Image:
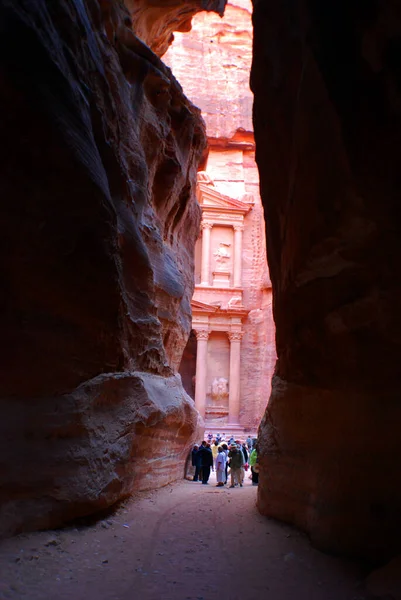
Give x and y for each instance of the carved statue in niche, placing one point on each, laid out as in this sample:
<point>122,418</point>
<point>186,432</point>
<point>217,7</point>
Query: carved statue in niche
<point>235,301</point>
<point>219,389</point>
<point>222,255</point>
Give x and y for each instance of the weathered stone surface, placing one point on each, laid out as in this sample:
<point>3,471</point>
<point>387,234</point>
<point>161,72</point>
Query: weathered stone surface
<point>212,63</point>
<point>154,21</point>
<point>77,453</point>
<point>327,127</point>
<point>99,220</point>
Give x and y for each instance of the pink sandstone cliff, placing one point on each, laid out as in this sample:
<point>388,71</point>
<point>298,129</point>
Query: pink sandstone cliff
<point>212,62</point>
<point>99,221</point>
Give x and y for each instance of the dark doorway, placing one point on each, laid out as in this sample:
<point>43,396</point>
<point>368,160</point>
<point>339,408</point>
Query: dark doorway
<point>187,368</point>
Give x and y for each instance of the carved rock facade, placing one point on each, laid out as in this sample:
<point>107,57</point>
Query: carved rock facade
<point>327,117</point>
<point>99,221</point>
<point>233,291</point>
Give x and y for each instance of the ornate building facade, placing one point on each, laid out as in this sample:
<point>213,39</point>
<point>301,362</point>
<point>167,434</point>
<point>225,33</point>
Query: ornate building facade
<point>229,360</point>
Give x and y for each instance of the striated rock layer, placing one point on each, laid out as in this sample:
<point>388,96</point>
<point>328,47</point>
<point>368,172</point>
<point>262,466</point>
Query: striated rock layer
<point>99,221</point>
<point>327,117</point>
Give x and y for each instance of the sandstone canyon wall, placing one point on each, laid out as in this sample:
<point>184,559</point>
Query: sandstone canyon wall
<point>326,79</point>
<point>212,62</point>
<point>99,220</point>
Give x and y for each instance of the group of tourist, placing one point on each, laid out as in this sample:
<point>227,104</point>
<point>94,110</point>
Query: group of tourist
<point>227,458</point>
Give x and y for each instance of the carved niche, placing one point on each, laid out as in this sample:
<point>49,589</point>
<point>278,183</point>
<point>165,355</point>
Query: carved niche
<point>217,409</point>
<point>222,256</point>
<point>219,389</point>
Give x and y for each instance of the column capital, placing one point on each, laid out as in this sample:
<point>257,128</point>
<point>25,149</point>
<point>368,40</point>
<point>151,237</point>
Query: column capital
<point>235,336</point>
<point>206,225</point>
<point>239,227</point>
<point>202,334</point>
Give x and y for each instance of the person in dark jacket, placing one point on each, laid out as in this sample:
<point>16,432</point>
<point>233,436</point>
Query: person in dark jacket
<point>236,463</point>
<point>206,461</point>
<point>196,462</point>
<point>245,452</point>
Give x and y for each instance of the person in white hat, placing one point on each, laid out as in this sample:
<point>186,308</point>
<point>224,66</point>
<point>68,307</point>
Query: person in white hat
<point>221,467</point>
<point>236,463</point>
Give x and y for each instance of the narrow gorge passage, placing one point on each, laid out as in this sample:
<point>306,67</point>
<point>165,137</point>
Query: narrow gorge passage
<point>129,221</point>
<point>183,542</point>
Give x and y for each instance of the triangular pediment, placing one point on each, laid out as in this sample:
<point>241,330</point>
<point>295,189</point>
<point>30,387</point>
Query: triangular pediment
<point>210,198</point>
<point>203,307</point>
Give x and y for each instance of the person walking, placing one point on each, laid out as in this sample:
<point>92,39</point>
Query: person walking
<point>196,462</point>
<point>236,463</point>
<point>215,447</point>
<point>245,452</point>
<point>245,468</point>
<point>253,461</point>
<point>206,461</point>
<point>225,450</point>
<point>220,463</point>
<point>242,447</point>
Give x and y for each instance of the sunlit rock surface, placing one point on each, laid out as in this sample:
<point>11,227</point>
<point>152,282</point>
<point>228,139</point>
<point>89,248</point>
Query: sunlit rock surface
<point>327,86</point>
<point>99,220</point>
<point>212,62</point>
<point>154,21</point>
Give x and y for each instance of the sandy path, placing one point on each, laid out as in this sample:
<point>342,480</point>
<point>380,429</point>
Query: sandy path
<point>184,542</point>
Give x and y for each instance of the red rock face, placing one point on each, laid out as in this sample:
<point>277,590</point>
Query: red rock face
<point>327,125</point>
<point>99,222</point>
<point>212,62</point>
<point>155,21</point>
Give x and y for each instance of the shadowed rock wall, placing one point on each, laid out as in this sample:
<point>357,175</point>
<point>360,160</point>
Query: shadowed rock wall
<point>98,225</point>
<point>327,84</point>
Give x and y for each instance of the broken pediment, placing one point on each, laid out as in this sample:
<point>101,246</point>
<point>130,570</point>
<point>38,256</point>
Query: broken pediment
<point>229,308</point>
<point>212,200</point>
<point>204,307</point>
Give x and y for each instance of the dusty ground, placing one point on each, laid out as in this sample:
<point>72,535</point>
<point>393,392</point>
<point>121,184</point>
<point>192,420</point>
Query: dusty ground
<point>184,542</point>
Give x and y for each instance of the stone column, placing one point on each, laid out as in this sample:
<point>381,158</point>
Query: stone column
<point>205,269</point>
<point>234,390</point>
<point>201,367</point>
<point>238,229</point>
